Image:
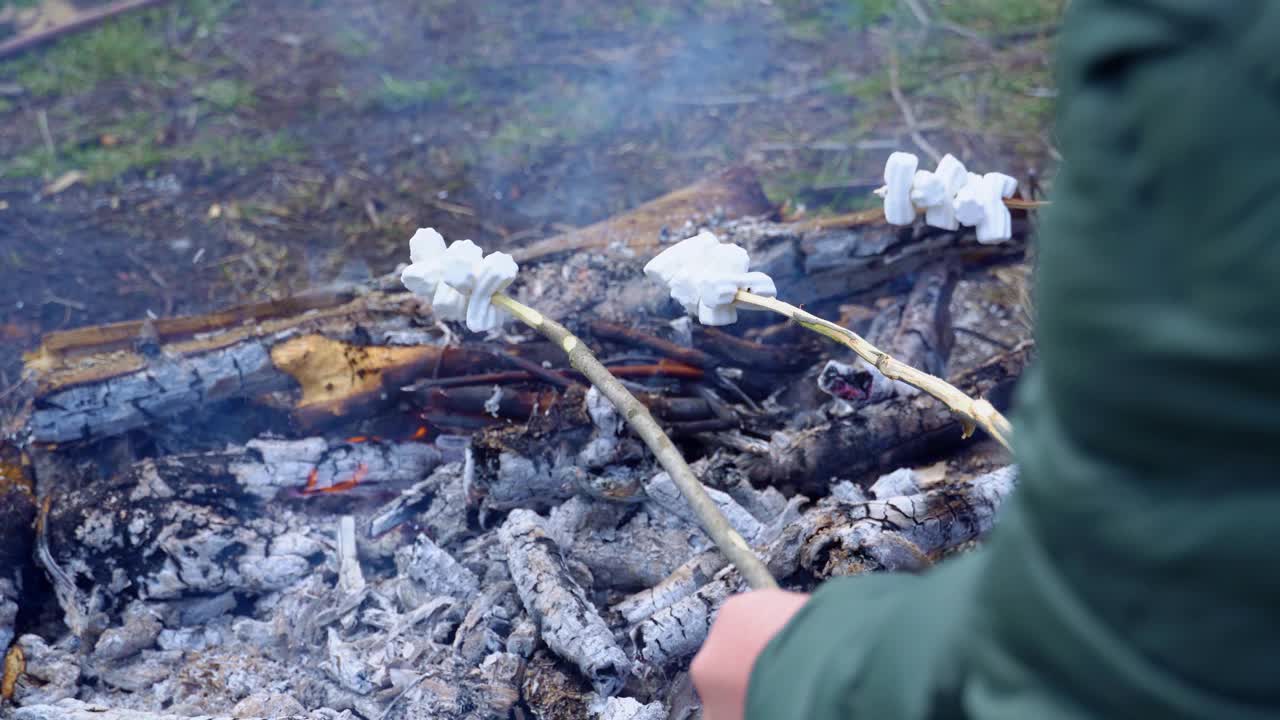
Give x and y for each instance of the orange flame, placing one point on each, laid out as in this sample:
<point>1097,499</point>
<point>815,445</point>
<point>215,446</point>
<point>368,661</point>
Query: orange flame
<point>362,470</point>
<point>420,433</point>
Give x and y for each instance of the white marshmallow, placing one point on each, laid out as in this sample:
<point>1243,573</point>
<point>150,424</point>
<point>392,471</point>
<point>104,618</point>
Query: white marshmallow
<point>953,176</point>
<point>899,172</point>
<point>928,190</point>
<point>459,279</point>
<point>426,248</point>
<point>968,203</point>
<point>704,275</point>
<point>494,274</point>
<point>997,224</point>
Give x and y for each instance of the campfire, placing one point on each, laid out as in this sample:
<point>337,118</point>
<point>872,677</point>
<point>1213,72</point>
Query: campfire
<point>339,505</point>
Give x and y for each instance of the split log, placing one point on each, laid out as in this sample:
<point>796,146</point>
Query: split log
<point>838,538</point>
<point>101,381</point>
<point>567,621</point>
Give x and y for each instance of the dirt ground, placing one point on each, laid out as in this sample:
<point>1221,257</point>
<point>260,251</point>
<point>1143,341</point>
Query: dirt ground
<point>210,152</point>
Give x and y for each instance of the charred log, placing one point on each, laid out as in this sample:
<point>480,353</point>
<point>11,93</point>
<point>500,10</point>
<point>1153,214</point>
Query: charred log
<point>834,538</point>
<point>567,621</point>
<point>881,435</point>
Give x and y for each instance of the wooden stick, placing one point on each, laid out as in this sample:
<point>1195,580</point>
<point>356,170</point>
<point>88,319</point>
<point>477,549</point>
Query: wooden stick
<point>713,522</point>
<point>977,412</point>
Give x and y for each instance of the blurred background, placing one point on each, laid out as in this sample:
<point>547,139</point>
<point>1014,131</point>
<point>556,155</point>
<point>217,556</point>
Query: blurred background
<point>189,154</point>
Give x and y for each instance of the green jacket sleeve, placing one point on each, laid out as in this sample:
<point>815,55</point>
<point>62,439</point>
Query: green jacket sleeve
<point>1134,572</point>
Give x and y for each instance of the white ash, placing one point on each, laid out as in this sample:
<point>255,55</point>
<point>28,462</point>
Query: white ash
<point>9,589</point>
<point>619,708</point>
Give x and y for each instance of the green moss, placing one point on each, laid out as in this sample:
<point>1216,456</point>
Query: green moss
<point>226,94</point>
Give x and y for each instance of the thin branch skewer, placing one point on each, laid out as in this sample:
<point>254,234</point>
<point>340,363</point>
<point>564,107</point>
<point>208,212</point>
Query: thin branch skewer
<point>977,412</point>
<point>637,416</point>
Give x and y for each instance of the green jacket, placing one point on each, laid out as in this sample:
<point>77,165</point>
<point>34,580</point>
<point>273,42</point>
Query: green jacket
<point>1135,571</point>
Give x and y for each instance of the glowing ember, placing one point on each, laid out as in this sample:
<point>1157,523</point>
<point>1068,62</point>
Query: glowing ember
<point>362,470</point>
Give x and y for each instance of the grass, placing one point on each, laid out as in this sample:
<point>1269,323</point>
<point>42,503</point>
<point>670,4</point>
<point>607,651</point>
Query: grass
<point>131,144</point>
<point>131,47</point>
<point>134,50</point>
<point>225,94</point>
<point>818,19</point>
<point>398,94</point>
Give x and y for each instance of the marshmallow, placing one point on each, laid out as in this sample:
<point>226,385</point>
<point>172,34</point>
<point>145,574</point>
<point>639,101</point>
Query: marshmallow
<point>997,224</point>
<point>494,274</point>
<point>704,275</point>
<point>459,279</point>
<point>968,203</point>
<point>670,261</point>
<point>426,247</point>
<point>899,172</point>
<point>953,176</point>
<point>459,265</point>
<point>928,190</point>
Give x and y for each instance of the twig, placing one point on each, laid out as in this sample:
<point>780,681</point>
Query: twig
<point>928,22</point>
<point>663,368</point>
<point>974,412</point>
<point>533,368</point>
<point>908,115</point>
<point>637,416</point>
<point>687,355</point>
<point>42,120</point>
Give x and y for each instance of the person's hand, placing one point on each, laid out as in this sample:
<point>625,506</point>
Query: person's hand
<point>744,626</point>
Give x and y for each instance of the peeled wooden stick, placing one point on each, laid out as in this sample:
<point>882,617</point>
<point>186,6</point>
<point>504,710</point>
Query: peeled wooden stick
<point>637,416</point>
<point>977,412</point>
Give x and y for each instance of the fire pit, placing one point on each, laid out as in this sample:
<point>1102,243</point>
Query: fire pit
<point>336,506</point>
